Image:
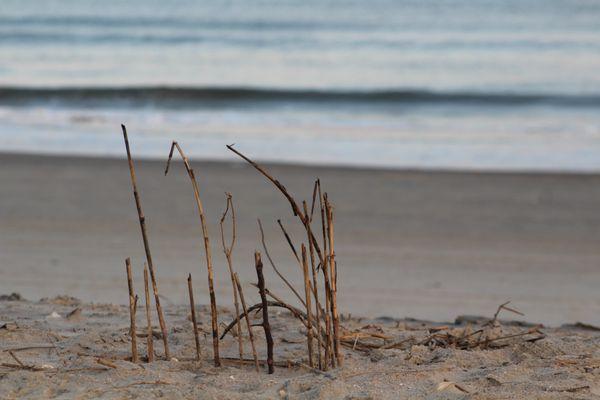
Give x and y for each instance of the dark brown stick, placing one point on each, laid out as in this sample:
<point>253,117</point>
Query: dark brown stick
<point>132,309</point>
<point>193,310</point>
<point>265,310</point>
<point>211,288</point>
<point>308,306</point>
<point>159,311</point>
<point>149,338</point>
<point>288,284</point>
<point>333,271</point>
<point>296,210</point>
<point>228,250</point>
<point>289,240</point>
<point>248,324</point>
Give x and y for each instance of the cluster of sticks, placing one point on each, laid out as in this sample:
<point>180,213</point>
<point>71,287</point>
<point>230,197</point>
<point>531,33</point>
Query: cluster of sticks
<point>320,322</point>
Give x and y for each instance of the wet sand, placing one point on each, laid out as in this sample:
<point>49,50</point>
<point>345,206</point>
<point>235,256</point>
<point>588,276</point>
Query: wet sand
<point>429,245</point>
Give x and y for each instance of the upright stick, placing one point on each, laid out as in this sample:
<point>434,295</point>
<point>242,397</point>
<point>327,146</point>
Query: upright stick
<point>315,282</point>
<point>329,356</point>
<point>132,310</point>
<point>149,338</point>
<point>228,251</point>
<point>333,271</point>
<point>159,311</point>
<point>194,323</point>
<point>248,324</point>
<point>209,267</point>
<point>265,310</point>
<point>308,306</point>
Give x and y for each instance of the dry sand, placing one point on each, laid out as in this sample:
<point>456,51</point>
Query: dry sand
<point>428,245</point>
<point>72,350</point>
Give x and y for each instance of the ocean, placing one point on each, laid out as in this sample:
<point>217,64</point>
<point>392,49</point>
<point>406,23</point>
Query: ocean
<point>464,84</point>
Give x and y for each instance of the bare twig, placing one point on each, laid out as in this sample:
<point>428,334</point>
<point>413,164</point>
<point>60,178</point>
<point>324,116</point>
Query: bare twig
<point>149,338</point>
<point>265,310</point>
<point>333,271</point>
<point>308,306</point>
<point>142,218</point>
<point>211,289</point>
<point>132,310</point>
<point>288,284</point>
<point>289,240</point>
<point>250,334</point>
<point>193,311</point>
<point>228,250</point>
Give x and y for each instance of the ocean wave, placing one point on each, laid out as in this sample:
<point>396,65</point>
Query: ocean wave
<point>232,96</point>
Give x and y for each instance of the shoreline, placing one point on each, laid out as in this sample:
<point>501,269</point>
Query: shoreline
<point>406,239</point>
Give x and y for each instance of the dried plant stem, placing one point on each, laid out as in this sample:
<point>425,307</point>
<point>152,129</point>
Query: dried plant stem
<point>159,311</point>
<point>265,310</point>
<point>288,284</point>
<point>132,310</point>
<point>149,338</point>
<point>295,208</point>
<point>308,306</point>
<point>228,251</point>
<point>315,282</point>
<point>211,289</point>
<point>193,311</point>
<point>333,272</point>
<point>248,324</point>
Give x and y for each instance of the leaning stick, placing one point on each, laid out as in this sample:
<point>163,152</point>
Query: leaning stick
<point>333,271</point>
<point>132,309</point>
<point>149,338</point>
<point>307,294</point>
<point>289,240</point>
<point>159,311</point>
<point>265,310</point>
<point>288,284</point>
<point>211,288</point>
<point>248,324</point>
<point>295,208</point>
<point>193,310</point>
<point>228,250</point>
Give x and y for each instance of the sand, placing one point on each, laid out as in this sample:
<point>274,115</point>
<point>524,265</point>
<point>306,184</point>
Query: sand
<point>428,245</point>
<point>70,349</point>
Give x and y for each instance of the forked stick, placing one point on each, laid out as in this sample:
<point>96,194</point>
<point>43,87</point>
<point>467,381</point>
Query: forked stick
<point>193,310</point>
<point>265,310</point>
<point>228,250</point>
<point>138,204</point>
<point>132,310</point>
<point>149,338</point>
<point>248,324</point>
<point>211,288</point>
<point>295,208</point>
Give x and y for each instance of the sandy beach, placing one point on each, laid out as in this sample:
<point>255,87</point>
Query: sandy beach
<point>405,240</point>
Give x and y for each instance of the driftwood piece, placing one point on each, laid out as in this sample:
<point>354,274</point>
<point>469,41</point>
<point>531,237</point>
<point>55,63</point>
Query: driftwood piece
<point>265,310</point>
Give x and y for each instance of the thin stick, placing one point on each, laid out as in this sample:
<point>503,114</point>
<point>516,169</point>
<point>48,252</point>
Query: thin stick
<point>159,311</point>
<point>265,310</point>
<point>308,306</point>
<point>248,324</point>
<point>288,284</point>
<point>228,251</point>
<point>315,282</point>
<point>296,210</point>
<point>289,240</point>
<point>132,309</point>
<point>211,288</point>
<point>333,271</point>
<point>149,338</point>
<point>193,310</point>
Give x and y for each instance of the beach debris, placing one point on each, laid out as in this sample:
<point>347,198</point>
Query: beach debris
<point>11,297</point>
<point>247,317</point>
<point>451,386</point>
<point>53,315</point>
<point>209,266</point>
<point>228,250</point>
<point>132,311</point>
<point>265,310</point>
<point>74,315</point>
<point>193,312</point>
<point>149,338</point>
<point>142,219</point>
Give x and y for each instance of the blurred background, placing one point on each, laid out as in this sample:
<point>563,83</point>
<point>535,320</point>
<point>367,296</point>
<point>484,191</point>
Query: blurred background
<point>506,94</point>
